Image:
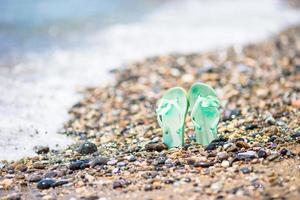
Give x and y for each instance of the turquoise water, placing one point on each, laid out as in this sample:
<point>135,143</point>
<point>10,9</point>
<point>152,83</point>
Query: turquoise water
<point>32,25</point>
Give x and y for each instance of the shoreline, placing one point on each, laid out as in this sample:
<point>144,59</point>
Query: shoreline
<point>257,85</point>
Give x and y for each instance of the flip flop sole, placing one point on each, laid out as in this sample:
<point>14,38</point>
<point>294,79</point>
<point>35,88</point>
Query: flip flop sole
<point>171,116</point>
<point>205,118</point>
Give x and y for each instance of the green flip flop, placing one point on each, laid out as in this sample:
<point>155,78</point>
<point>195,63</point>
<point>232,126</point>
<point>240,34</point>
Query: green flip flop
<point>171,113</point>
<point>205,114</point>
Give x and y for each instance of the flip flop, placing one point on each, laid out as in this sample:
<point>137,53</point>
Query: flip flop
<point>171,113</point>
<point>205,114</point>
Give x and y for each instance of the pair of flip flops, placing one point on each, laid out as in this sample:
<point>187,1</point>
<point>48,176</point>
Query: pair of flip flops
<point>173,107</point>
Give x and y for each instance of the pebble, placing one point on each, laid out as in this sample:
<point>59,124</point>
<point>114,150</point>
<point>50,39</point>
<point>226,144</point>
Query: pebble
<point>79,164</point>
<point>245,170</point>
<point>45,184</point>
<point>242,144</point>
<point>121,164</point>
<point>50,174</point>
<point>270,120</point>
<point>112,162</point>
<point>262,153</point>
<point>203,164</point>
<point>211,146</point>
<point>131,158</point>
<point>284,151</point>
<point>222,155</point>
<point>155,147</point>
<point>99,161</point>
<point>251,126</point>
<point>41,149</point>
<point>225,163</point>
<point>34,178</point>
<point>246,155</point>
<point>296,135</point>
<point>87,148</point>
<point>148,187</point>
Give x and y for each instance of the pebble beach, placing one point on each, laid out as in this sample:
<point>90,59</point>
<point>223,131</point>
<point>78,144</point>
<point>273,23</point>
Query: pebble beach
<point>119,152</point>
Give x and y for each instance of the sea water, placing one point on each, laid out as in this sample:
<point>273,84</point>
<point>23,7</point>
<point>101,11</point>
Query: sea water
<point>50,48</point>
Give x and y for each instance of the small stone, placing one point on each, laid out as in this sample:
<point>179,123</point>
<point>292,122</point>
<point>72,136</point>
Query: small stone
<point>245,170</point>
<point>112,162</point>
<point>38,165</point>
<point>148,187</point>
<point>211,146</point>
<point>225,163</point>
<point>242,144</point>
<point>50,174</point>
<point>222,155</point>
<point>217,186</point>
<point>169,181</point>
<point>45,184</point>
<point>79,164</point>
<point>284,151</point>
<point>231,114</point>
<point>131,158</point>
<point>34,178</point>
<point>99,161</point>
<point>187,179</point>
<point>41,149</point>
<point>270,120</point>
<point>248,155</point>
<point>87,148</point>
<point>231,148</point>
<point>262,153</point>
<point>155,147</point>
<point>121,164</point>
<point>203,164</point>
<point>251,126</point>
<point>296,135</point>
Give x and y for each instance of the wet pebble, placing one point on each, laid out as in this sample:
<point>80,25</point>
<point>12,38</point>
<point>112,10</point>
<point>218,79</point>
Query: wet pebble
<point>45,184</point>
<point>41,149</point>
<point>262,153</point>
<point>87,148</point>
<point>251,126</point>
<point>79,164</point>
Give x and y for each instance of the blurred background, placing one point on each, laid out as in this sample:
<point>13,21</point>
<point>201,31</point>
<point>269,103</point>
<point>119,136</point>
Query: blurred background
<point>49,48</point>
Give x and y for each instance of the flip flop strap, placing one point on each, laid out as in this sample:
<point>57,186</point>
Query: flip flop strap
<point>204,102</point>
<point>164,106</point>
